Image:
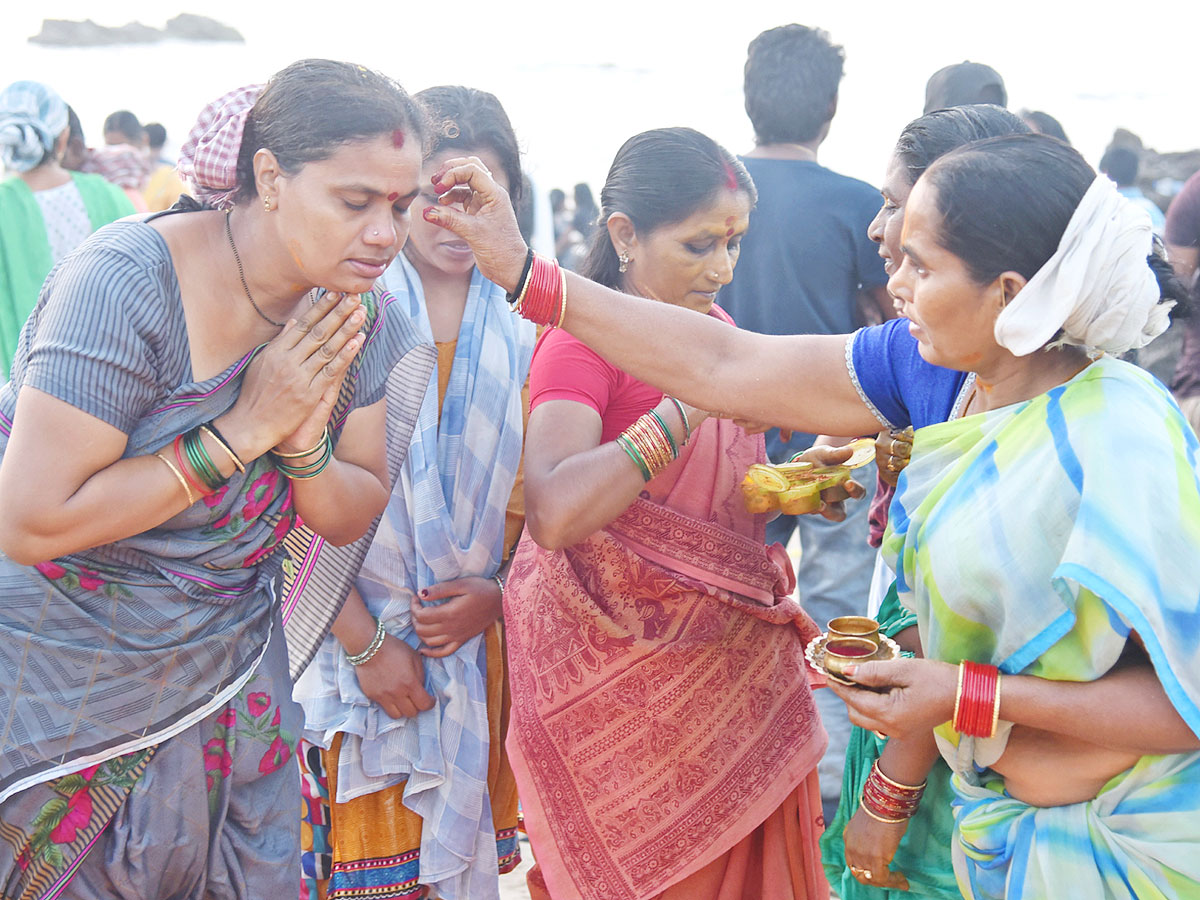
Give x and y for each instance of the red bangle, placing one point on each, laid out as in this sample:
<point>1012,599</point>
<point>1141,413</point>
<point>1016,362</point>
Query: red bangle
<point>542,300</point>
<point>978,703</point>
<point>887,800</point>
<point>177,446</point>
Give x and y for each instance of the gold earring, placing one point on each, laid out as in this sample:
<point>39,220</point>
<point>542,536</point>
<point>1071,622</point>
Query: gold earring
<point>267,204</point>
<point>623,256</point>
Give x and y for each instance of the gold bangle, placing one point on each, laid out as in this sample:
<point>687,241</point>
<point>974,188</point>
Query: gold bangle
<point>187,488</point>
<point>233,457</point>
<point>319,445</point>
<point>897,784</point>
<point>650,441</point>
<point>524,287</point>
<point>996,707</point>
<point>562,309</point>
<point>879,818</point>
<point>957,691</point>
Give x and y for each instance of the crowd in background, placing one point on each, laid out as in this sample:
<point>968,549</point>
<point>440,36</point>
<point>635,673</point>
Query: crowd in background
<point>546,586</point>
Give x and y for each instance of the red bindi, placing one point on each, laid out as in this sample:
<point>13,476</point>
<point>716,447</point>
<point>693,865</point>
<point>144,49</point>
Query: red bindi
<point>397,138</point>
<point>392,196</point>
<point>729,233</point>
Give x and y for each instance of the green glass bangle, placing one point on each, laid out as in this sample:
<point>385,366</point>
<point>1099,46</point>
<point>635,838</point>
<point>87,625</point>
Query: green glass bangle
<point>306,467</point>
<point>297,475</point>
<point>687,426</point>
<point>308,470</point>
<point>209,465</point>
<point>667,432</point>
<point>200,461</point>
<point>630,448</point>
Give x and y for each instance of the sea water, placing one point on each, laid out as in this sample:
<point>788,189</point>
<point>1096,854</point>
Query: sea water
<point>579,78</point>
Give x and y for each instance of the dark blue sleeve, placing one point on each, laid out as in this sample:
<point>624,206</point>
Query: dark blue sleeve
<point>895,382</point>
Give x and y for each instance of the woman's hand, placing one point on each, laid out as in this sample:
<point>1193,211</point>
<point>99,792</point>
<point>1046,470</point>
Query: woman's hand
<point>870,847</point>
<point>826,455</point>
<point>485,219</point>
<point>893,450</point>
<point>394,678</point>
<point>916,696</point>
<point>474,603</point>
<point>289,390</point>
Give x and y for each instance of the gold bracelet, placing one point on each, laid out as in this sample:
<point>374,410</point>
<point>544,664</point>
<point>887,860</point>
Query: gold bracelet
<point>957,697</point>
<point>319,445</point>
<point>897,784</point>
<point>233,457</point>
<point>996,707</point>
<point>879,818</point>
<point>187,488</point>
<point>524,287</point>
<point>562,309</point>
<point>653,448</point>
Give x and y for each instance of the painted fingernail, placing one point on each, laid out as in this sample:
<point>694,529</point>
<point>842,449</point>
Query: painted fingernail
<point>430,214</point>
<point>424,592</point>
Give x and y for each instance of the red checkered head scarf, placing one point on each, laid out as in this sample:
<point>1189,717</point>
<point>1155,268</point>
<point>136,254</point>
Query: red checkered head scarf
<point>208,160</point>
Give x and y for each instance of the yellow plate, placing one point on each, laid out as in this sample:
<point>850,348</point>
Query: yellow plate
<point>864,452</point>
<point>767,478</point>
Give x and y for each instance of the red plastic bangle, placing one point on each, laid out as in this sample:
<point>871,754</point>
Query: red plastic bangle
<point>542,301</point>
<point>888,800</point>
<point>978,700</point>
<point>177,446</point>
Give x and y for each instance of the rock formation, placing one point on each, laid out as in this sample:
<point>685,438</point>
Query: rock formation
<point>184,27</point>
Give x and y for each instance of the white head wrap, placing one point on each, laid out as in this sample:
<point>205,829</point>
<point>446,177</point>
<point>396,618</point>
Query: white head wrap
<point>32,116</point>
<point>1097,287</point>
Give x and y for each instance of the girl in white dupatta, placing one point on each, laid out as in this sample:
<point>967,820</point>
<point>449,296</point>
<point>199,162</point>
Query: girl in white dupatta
<point>407,701</point>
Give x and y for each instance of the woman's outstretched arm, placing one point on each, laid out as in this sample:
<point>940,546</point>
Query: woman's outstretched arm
<point>797,381</point>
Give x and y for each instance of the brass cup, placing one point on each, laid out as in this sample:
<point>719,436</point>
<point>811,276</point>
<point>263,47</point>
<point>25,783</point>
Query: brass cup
<point>846,651</point>
<point>854,627</point>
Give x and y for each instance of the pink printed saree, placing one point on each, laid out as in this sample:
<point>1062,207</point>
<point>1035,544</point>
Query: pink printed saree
<point>662,711</point>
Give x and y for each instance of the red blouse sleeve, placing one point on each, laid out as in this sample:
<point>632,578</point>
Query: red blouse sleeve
<point>564,368</point>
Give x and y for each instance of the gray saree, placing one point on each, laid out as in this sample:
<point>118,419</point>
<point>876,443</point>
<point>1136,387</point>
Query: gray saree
<point>112,655</point>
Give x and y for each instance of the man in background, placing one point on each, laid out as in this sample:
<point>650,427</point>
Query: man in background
<point>1121,165</point>
<point>964,84</point>
<point>807,267</point>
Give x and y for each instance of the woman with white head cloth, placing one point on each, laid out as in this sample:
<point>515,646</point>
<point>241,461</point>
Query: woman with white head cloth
<point>1049,533</point>
<point>45,210</point>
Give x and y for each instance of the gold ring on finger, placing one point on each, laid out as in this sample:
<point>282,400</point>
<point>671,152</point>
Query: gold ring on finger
<point>867,874</point>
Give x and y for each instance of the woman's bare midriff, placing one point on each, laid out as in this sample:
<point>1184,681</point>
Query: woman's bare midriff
<point>1046,769</point>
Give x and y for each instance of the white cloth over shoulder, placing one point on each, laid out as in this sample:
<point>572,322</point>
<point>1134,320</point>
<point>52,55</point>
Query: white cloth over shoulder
<point>1097,287</point>
<point>445,520</point>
